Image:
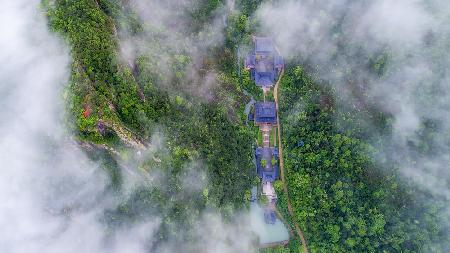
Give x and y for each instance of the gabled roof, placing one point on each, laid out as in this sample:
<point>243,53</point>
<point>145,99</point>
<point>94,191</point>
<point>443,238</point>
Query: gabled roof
<point>265,109</point>
<point>263,44</point>
<point>268,173</point>
<point>265,112</point>
<point>264,62</point>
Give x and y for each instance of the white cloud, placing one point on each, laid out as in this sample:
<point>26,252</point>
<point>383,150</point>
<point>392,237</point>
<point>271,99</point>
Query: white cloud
<point>337,38</point>
<point>52,196</point>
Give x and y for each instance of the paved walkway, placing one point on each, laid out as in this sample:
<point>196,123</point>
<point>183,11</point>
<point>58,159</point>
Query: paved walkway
<point>266,138</point>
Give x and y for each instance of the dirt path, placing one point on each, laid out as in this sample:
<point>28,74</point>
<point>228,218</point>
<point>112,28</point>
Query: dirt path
<point>282,175</point>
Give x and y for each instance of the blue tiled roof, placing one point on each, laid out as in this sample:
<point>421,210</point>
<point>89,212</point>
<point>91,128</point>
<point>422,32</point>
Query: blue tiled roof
<point>263,44</point>
<point>265,112</point>
<point>264,79</point>
<point>251,117</point>
<point>270,172</point>
<point>264,62</point>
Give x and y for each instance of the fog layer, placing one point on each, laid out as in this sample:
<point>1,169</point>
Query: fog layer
<point>52,196</point>
<point>389,55</point>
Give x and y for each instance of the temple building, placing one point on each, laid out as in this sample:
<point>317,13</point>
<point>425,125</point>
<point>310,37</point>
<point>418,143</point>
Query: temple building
<point>265,113</point>
<point>264,62</point>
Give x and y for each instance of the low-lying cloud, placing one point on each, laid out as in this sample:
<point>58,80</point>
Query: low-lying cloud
<point>52,196</point>
<point>339,39</point>
<point>179,46</point>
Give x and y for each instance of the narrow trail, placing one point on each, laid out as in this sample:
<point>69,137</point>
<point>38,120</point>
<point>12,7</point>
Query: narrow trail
<point>282,174</point>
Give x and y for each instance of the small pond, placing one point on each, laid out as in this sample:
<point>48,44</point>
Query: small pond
<point>267,233</point>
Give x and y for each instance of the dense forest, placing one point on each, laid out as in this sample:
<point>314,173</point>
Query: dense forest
<point>116,106</point>
<point>343,200</point>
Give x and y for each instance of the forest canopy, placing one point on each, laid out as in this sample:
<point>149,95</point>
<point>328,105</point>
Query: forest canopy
<point>136,77</point>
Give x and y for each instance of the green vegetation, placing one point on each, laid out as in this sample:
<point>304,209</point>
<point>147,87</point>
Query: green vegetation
<point>263,200</point>
<point>273,137</point>
<point>135,103</point>
<point>342,200</point>
<point>274,161</point>
<point>260,138</point>
<point>279,249</point>
<point>263,163</point>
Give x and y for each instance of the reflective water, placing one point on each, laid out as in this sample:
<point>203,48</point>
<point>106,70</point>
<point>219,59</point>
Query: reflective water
<point>267,233</point>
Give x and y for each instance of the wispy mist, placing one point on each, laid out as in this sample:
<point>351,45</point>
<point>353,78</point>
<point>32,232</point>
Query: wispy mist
<point>53,198</point>
<point>390,55</point>
<point>178,45</point>
<point>52,195</point>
